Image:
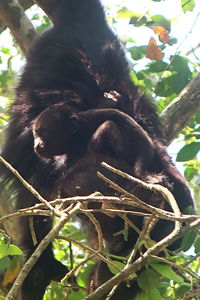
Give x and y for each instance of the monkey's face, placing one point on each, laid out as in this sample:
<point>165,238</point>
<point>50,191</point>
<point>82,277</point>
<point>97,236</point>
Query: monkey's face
<point>51,135</point>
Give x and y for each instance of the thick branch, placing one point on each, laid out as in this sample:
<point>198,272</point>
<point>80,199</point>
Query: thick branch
<point>176,115</point>
<point>12,14</point>
<point>25,4</point>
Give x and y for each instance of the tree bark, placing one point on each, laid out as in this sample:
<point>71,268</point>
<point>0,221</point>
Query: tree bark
<point>12,14</point>
<point>25,4</point>
<point>179,112</point>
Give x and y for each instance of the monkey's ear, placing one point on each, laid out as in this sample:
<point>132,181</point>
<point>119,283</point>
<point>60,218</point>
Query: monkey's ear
<point>73,124</point>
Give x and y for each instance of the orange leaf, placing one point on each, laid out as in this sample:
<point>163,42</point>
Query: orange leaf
<point>162,33</point>
<point>153,52</point>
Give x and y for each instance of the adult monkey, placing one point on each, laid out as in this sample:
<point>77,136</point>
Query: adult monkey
<point>79,62</point>
<point>94,136</point>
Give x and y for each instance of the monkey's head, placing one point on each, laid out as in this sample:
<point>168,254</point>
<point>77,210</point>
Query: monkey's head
<point>54,130</point>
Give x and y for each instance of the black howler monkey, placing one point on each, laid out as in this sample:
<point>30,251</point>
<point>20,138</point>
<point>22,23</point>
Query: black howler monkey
<point>78,62</point>
<point>59,130</point>
<point>88,138</point>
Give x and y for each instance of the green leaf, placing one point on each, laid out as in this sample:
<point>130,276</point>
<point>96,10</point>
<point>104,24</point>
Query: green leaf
<point>5,50</point>
<point>188,240</point>
<point>36,17</point>
<point>150,295</point>
<point>187,5</point>
<point>75,295</point>
<point>172,41</point>
<point>166,271</point>
<point>158,66</point>
<point>181,290</point>
<point>189,210</point>
<point>172,85</point>
<point>121,266</point>
<point>154,295</point>
<point>137,52</point>
<point>6,250</point>
<point>188,151</point>
<point>4,263</point>
<point>197,245</point>
<point>138,20</point>
<point>125,13</point>
<point>148,279</point>
<point>180,64</point>
<point>161,21</point>
<point>117,264</point>
<point>110,255</point>
<point>190,172</point>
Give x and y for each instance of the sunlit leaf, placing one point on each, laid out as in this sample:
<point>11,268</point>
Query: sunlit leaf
<point>6,250</point>
<point>161,21</point>
<point>187,5</point>
<point>5,50</point>
<point>125,13</point>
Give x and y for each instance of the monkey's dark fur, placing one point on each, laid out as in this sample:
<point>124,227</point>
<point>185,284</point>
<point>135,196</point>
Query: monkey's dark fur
<point>59,130</point>
<point>78,62</point>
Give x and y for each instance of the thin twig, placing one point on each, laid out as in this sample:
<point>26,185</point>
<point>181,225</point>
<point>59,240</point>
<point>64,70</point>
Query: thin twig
<point>98,255</point>
<point>98,230</point>
<point>30,188</point>
<point>142,261</point>
<point>36,254</point>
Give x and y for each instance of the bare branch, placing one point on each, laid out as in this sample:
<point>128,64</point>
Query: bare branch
<point>25,4</point>
<point>176,115</point>
<point>12,14</point>
<point>28,186</point>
